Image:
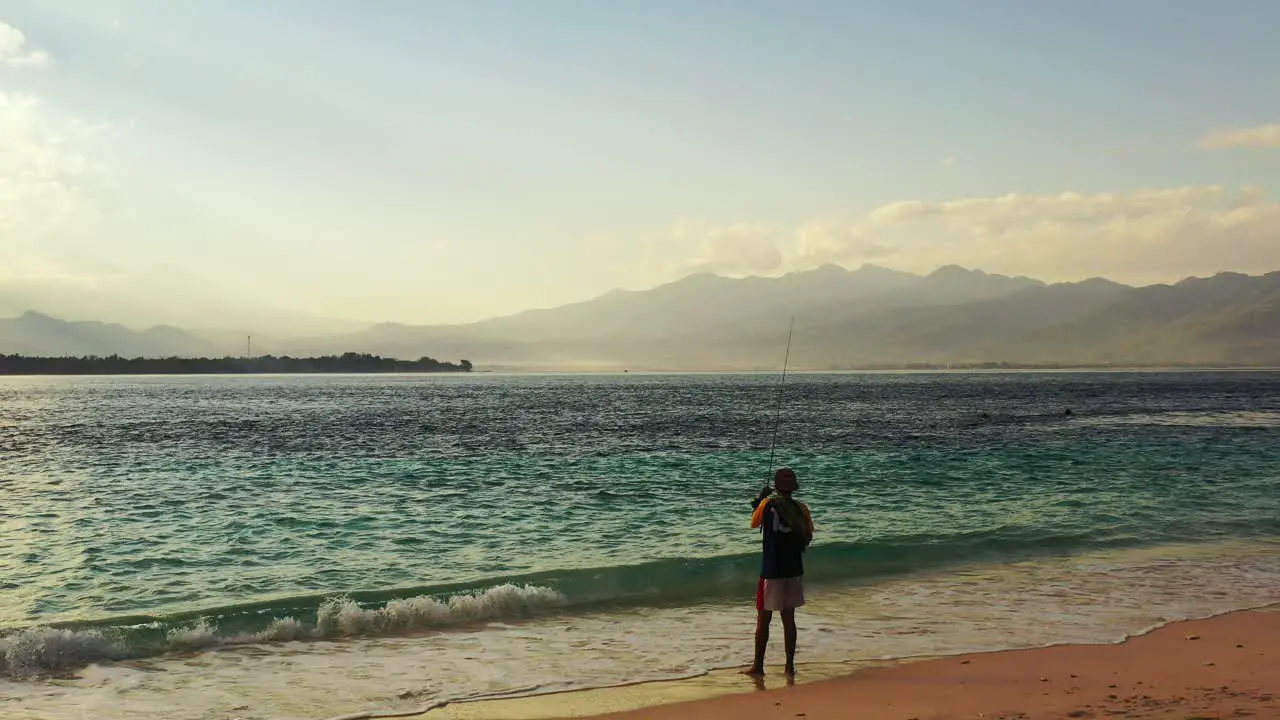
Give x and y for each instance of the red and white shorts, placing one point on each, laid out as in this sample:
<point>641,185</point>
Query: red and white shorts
<point>780,593</point>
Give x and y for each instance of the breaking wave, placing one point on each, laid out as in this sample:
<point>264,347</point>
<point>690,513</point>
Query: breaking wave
<point>43,650</point>
<point>667,582</point>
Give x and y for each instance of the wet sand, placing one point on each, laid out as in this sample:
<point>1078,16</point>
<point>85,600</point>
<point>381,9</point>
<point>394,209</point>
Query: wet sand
<point>1223,667</point>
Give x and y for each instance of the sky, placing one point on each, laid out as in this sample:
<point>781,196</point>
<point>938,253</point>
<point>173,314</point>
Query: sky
<point>435,162</point>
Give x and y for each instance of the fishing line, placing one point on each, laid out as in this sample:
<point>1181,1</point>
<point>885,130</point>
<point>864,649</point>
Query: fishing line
<point>777,413</point>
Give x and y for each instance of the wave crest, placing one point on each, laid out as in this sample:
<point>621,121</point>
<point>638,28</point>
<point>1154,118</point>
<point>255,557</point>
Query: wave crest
<point>40,651</point>
<point>343,617</point>
<point>43,650</point>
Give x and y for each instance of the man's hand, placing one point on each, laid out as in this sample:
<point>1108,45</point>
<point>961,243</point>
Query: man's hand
<point>765,492</point>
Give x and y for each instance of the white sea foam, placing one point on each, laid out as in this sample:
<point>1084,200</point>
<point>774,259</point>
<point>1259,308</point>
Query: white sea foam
<point>1102,596</point>
<point>342,617</point>
<point>40,650</point>
<point>199,636</point>
<point>279,630</point>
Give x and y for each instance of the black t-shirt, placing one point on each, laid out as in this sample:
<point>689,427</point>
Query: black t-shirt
<point>783,546</point>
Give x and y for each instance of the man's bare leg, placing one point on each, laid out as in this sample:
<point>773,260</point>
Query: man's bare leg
<point>789,638</point>
<point>763,619</point>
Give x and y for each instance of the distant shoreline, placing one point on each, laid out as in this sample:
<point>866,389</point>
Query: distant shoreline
<point>888,369</point>
<point>6,373</point>
<point>347,363</point>
<point>352,364</point>
<point>512,371</point>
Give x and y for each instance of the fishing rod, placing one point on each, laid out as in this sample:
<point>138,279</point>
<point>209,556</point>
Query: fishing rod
<point>777,412</point>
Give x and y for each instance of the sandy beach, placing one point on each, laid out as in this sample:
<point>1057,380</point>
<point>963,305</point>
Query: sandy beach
<point>1223,667</point>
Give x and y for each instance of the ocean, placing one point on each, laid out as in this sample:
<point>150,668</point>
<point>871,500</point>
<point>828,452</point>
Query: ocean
<point>300,547</point>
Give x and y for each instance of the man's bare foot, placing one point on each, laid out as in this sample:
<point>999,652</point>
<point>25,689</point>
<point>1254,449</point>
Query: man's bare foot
<point>754,670</point>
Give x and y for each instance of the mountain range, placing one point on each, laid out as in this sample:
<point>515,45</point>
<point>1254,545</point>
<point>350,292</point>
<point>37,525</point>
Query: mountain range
<point>34,333</point>
<point>872,316</point>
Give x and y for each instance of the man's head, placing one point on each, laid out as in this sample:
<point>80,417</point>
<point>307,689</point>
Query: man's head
<point>784,481</point>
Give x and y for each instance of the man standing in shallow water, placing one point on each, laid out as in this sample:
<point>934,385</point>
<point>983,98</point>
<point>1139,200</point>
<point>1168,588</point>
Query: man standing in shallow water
<point>788,530</point>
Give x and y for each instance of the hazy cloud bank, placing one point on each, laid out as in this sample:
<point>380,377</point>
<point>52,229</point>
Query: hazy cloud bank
<point>1143,235</point>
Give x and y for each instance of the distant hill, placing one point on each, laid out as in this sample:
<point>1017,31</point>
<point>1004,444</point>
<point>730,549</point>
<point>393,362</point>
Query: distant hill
<point>165,296</point>
<point>34,333</point>
<point>696,303</point>
<point>870,316</point>
<point>624,327</point>
<point>1228,318</point>
<point>999,328</point>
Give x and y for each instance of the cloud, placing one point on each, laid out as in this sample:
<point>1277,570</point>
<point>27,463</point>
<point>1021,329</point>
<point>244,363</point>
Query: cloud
<point>1260,136</point>
<point>901,211</point>
<point>745,249</point>
<point>47,187</point>
<point>48,190</point>
<point>1143,236</point>
<point>949,160</point>
<point>736,250</point>
<point>834,240</point>
<point>1146,235</point>
<point>999,215</point>
<point>14,51</point>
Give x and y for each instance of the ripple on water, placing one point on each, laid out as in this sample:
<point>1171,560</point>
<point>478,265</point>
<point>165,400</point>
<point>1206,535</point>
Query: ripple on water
<point>286,486</point>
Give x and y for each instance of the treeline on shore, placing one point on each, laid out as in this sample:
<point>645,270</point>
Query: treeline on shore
<point>116,365</point>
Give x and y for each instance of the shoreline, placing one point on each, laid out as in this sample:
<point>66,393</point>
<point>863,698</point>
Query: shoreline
<point>1144,669</point>
<point>510,371</point>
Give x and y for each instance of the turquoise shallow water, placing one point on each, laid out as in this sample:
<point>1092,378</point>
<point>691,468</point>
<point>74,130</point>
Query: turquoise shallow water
<point>143,516</point>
